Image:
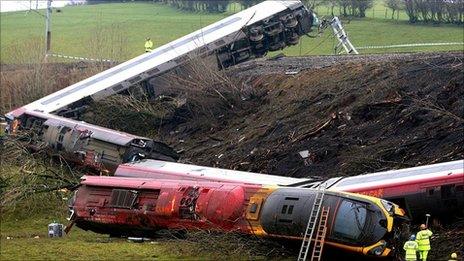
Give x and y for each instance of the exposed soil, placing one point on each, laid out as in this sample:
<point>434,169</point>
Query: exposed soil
<point>353,115</point>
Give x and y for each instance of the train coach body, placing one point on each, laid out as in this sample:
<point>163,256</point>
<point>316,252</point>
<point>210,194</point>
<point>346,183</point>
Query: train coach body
<point>139,207</point>
<point>434,189</point>
<point>157,169</point>
<point>94,147</point>
<point>268,26</point>
<point>441,185</point>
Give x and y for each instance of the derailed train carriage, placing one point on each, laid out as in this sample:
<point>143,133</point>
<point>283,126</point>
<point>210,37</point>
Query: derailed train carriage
<point>442,184</point>
<point>95,148</point>
<point>251,33</point>
<point>140,207</point>
<point>267,26</point>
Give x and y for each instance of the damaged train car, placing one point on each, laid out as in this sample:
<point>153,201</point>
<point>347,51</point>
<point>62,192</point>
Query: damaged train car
<point>95,148</point>
<point>140,207</point>
<point>268,26</point>
<point>442,183</point>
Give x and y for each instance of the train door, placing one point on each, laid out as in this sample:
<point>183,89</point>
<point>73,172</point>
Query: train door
<point>288,220</point>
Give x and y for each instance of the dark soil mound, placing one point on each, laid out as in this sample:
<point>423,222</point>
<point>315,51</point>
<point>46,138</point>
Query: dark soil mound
<point>359,116</point>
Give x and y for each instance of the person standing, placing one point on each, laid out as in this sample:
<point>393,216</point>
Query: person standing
<point>148,45</point>
<point>423,240</point>
<point>411,247</point>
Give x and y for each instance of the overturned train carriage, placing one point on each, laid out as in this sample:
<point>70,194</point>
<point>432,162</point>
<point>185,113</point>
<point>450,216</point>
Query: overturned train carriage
<point>442,184</point>
<point>268,26</point>
<point>139,207</point>
<point>96,148</point>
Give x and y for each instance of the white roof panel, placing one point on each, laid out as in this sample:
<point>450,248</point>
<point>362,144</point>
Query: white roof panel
<point>169,170</point>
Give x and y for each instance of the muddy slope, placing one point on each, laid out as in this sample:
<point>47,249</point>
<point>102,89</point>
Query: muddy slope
<point>354,116</point>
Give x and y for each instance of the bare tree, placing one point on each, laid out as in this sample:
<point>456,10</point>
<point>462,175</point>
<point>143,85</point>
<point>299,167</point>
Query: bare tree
<point>394,5</point>
<point>331,4</point>
<point>435,11</point>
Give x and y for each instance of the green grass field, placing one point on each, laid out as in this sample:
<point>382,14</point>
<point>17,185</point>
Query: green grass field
<point>24,236</point>
<point>81,245</point>
<point>117,31</point>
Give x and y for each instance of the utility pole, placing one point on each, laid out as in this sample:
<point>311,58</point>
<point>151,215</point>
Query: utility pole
<point>48,30</point>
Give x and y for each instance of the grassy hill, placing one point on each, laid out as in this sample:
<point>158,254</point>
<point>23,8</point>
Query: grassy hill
<point>117,31</point>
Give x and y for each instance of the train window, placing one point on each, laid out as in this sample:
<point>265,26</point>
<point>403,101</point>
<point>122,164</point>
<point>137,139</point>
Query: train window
<point>253,208</point>
<point>430,191</point>
<point>290,210</point>
<point>290,198</point>
<point>459,188</point>
<point>123,198</point>
<point>350,220</point>
<point>284,209</point>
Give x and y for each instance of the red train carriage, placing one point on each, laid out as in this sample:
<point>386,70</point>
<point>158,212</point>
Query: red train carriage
<point>437,189</point>
<point>139,207</point>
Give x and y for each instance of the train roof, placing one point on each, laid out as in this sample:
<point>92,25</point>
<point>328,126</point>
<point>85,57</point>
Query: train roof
<point>450,169</point>
<point>171,170</point>
<point>143,183</point>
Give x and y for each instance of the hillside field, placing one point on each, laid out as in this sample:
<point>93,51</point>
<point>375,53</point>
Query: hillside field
<point>117,31</point>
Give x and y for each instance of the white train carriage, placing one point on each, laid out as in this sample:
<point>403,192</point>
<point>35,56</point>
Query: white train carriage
<point>268,26</point>
<point>177,171</point>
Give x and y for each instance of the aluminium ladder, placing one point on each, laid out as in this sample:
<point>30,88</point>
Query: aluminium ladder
<point>320,235</point>
<point>342,37</point>
<point>313,216</point>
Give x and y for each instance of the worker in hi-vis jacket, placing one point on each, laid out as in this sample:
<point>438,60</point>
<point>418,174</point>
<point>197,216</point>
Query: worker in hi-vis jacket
<point>423,240</point>
<point>148,45</point>
<point>411,248</point>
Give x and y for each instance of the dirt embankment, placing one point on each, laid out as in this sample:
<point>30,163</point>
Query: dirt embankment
<point>359,115</point>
